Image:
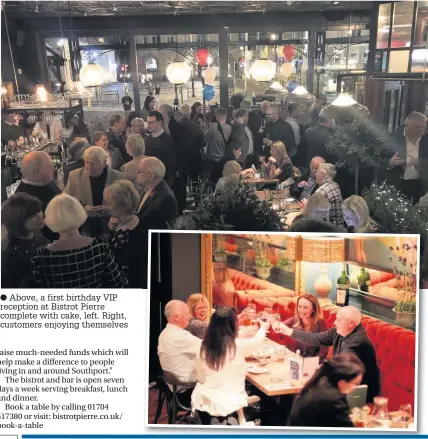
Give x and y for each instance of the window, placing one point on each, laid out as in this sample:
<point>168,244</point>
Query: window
<point>421,24</point>
<point>383,26</point>
<point>398,61</point>
<point>402,24</point>
<point>419,61</point>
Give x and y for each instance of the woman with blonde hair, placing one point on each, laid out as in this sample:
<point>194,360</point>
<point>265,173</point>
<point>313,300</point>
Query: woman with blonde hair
<point>135,147</point>
<point>316,207</point>
<point>223,287</point>
<point>200,311</point>
<point>308,316</point>
<point>231,175</point>
<point>74,261</point>
<point>127,240</point>
<point>279,164</point>
<point>356,214</point>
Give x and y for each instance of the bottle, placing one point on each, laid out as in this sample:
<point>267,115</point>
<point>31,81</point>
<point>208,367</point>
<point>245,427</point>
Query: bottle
<point>364,280</point>
<point>342,289</point>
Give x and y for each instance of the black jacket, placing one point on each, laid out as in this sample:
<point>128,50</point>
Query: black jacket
<point>320,407</point>
<point>254,124</point>
<point>281,131</point>
<point>159,211</point>
<point>117,142</point>
<point>72,166</point>
<point>239,138</point>
<point>314,142</point>
<point>194,143</point>
<point>356,342</point>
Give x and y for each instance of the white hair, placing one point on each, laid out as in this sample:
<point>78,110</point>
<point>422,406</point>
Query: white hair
<point>173,307</point>
<point>415,115</point>
<point>351,313</point>
<point>64,213</point>
<point>185,111</point>
<point>95,153</point>
<point>231,167</point>
<point>32,162</point>
<point>155,166</point>
<point>135,145</point>
<point>328,170</point>
<point>136,121</point>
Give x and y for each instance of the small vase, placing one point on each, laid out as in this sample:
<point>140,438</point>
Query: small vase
<point>263,272</point>
<point>323,286</point>
<point>406,319</point>
<point>220,257</point>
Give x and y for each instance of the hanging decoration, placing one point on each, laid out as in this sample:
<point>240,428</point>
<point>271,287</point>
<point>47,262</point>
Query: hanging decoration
<point>208,92</point>
<point>263,70</point>
<point>178,73</point>
<point>209,75</point>
<point>91,75</point>
<point>288,52</point>
<point>286,70</point>
<point>202,56</point>
<point>291,86</point>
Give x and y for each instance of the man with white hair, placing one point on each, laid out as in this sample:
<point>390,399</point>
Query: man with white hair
<point>308,187</point>
<point>37,177</point>
<point>348,335</point>
<point>407,156</point>
<point>324,177</point>
<point>177,348</point>
<point>87,185</point>
<point>158,207</point>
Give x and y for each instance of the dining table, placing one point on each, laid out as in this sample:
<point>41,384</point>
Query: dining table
<point>262,182</point>
<point>275,381</point>
<point>282,201</point>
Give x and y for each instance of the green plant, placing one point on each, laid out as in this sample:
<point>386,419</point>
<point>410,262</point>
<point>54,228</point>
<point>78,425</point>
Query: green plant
<point>407,303</point>
<point>356,144</point>
<point>283,262</point>
<point>239,210</point>
<point>263,263</point>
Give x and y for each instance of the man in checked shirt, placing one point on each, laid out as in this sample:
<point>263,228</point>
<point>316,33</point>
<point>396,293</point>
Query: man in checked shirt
<point>331,190</point>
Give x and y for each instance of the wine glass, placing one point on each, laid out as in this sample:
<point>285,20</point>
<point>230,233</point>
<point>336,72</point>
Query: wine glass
<point>406,413</point>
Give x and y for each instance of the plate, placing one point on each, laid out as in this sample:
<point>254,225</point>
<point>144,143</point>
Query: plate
<point>257,370</point>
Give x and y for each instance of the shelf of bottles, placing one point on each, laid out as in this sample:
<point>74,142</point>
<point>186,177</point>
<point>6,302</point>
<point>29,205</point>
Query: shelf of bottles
<point>54,103</point>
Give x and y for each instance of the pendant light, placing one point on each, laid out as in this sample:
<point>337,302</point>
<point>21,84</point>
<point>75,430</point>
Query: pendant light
<point>263,70</point>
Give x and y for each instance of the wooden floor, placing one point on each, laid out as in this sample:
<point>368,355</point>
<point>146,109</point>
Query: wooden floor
<point>153,400</point>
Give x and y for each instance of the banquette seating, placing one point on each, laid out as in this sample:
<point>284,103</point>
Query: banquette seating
<point>395,347</point>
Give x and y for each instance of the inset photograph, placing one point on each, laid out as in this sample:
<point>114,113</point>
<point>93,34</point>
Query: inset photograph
<point>283,330</point>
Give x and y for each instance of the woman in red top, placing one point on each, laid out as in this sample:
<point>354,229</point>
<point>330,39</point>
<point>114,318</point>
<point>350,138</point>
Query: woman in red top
<point>308,317</point>
<point>223,287</point>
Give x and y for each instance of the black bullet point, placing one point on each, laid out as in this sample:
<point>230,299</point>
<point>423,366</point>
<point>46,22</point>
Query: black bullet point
<point>3,297</point>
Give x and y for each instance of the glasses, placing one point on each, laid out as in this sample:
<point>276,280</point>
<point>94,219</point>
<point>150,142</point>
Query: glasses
<point>152,121</point>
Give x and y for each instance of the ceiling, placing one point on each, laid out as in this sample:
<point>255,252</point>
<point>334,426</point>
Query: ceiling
<point>33,9</point>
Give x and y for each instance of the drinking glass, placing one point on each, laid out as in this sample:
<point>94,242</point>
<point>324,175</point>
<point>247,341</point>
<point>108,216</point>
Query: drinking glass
<point>406,413</point>
<point>251,305</point>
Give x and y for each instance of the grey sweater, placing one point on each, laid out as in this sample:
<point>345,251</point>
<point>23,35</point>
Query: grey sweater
<point>214,140</point>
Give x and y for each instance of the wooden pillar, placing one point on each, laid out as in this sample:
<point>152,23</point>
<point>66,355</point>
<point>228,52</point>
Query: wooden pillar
<point>133,61</point>
<point>223,43</point>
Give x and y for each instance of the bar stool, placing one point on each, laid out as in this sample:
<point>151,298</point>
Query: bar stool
<point>171,397</point>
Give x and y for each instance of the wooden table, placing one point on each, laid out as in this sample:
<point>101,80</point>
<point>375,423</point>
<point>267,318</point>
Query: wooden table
<point>276,382</point>
<point>260,182</point>
<point>276,197</point>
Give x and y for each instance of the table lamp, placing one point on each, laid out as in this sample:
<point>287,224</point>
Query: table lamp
<point>323,250</point>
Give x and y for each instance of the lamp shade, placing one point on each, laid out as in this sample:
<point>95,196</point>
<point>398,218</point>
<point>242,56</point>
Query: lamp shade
<point>263,70</point>
<point>300,94</point>
<point>276,89</point>
<point>178,73</point>
<point>91,75</point>
<point>346,108</point>
<point>286,70</point>
<point>209,75</point>
<point>323,249</point>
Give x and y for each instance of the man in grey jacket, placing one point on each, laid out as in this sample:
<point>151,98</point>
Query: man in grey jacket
<point>216,137</point>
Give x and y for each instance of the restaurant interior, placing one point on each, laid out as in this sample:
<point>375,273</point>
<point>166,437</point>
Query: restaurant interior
<point>265,275</point>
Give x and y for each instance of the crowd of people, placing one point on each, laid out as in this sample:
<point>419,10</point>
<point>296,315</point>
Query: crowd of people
<point>149,163</point>
<point>206,349</point>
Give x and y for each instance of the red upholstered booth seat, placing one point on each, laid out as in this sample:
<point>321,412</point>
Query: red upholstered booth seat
<point>243,281</point>
<point>395,348</point>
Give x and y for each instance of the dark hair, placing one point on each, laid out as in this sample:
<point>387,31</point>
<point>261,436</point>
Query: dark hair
<point>147,102</point>
<point>132,115</point>
<point>219,340</point>
<point>157,115</point>
<point>115,118</point>
<point>241,112</point>
<point>346,366</point>
<point>200,117</point>
<point>193,110</point>
<point>16,210</point>
<point>292,107</point>
<point>221,112</point>
<point>311,225</point>
<point>97,136</point>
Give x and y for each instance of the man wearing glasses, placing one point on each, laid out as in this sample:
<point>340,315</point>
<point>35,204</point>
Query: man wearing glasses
<point>160,145</point>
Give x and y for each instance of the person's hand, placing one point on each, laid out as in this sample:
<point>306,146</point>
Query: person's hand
<point>286,330</point>
<point>413,161</point>
<point>113,223</point>
<point>262,159</point>
<point>272,160</point>
<point>396,160</point>
<point>302,184</point>
<point>247,173</point>
<point>303,203</point>
<point>265,325</point>
<point>90,210</point>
